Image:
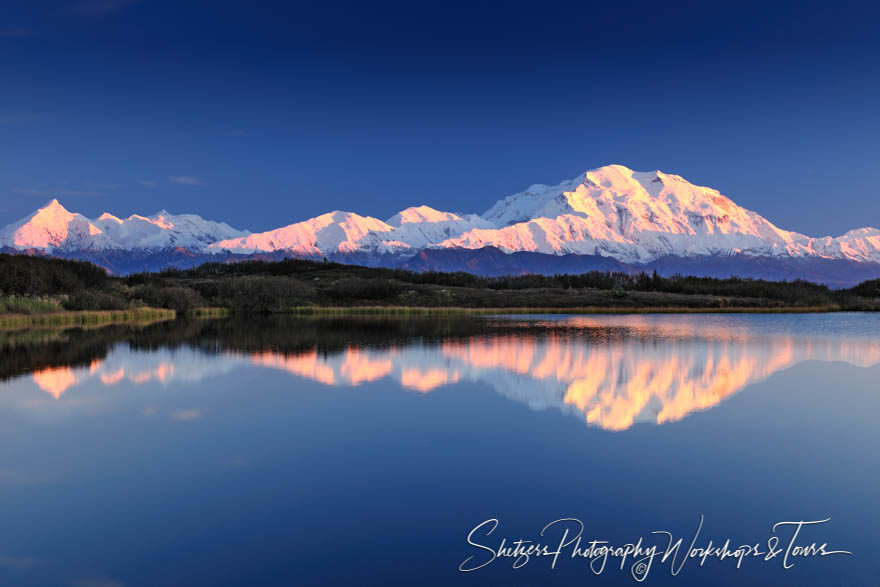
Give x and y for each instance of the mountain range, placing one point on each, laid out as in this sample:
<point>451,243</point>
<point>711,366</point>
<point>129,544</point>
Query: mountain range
<point>610,218</point>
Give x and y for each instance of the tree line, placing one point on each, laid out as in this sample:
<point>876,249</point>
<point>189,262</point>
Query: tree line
<point>275,286</point>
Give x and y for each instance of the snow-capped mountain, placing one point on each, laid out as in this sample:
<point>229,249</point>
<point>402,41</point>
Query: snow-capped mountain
<point>163,230</point>
<point>638,217</point>
<point>53,228</point>
<point>334,232</point>
<point>422,226</point>
<point>405,233</point>
<point>634,217</point>
<point>607,217</point>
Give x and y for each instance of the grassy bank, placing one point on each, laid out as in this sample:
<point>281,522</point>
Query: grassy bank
<point>85,317</point>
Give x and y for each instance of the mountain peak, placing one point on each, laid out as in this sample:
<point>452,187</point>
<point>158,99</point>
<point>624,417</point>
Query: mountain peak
<point>416,214</point>
<point>53,204</point>
<point>616,167</point>
<point>50,227</point>
<point>52,213</point>
<point>341,216</point>
<point>612,176</point>
<point>600,192</point>
<point>107,216</point>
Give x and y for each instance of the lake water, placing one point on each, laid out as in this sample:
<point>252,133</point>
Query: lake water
<point>363,452</point>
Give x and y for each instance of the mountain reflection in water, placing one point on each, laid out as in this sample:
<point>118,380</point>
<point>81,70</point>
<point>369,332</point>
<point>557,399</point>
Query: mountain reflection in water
<point>612,371</point>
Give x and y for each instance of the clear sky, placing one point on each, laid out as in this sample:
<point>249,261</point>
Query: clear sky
<point>265,113</point>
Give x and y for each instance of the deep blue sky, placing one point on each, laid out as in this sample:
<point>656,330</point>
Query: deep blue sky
<point>273,112</point>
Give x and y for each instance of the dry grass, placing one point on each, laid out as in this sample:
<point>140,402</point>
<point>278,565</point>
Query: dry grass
<point>14,304</point>
<point>87,317</point>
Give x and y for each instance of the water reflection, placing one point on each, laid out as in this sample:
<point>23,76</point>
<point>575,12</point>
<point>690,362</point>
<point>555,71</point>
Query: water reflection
<point>56,380</point>
<point>612,372</point>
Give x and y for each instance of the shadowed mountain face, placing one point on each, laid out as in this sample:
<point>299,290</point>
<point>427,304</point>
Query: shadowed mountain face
<point>608,371</point>
<point>493,262</point>
<point>606,218</point>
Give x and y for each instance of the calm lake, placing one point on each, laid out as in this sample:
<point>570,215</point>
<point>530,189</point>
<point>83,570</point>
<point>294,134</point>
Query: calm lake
<point>364,451</point>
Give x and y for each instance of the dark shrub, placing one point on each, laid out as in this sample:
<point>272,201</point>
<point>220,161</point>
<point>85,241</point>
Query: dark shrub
<point>356,288</point>
<point>262,294</point>
<point>25,275</point>
<point>177,298</point>
<point>867,289</point>
<point>94,300</point>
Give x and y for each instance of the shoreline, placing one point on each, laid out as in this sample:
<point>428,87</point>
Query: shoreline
<point>428,310</point>
<point>149,315</point>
